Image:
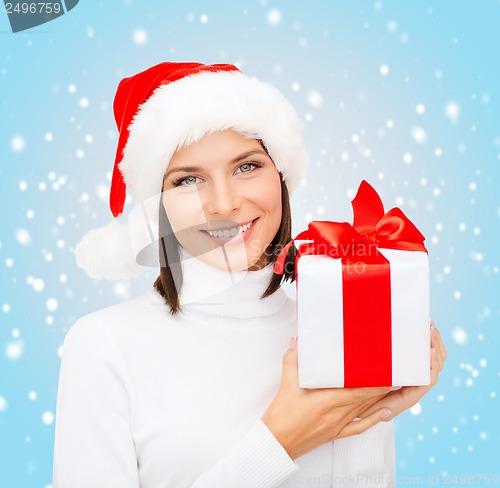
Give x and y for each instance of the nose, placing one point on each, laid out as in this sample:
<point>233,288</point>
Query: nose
<point>223,199</point>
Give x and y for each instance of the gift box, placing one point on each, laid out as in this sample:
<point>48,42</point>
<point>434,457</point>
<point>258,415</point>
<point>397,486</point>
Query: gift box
<point>362,299</point>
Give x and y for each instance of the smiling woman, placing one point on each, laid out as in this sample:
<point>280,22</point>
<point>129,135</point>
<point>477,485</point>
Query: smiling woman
<point>194,383</point>
<point>235,185</point>
<point>231,210</point>
<point>232,192</point>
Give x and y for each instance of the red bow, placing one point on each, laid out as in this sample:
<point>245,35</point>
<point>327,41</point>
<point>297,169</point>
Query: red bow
<point>372,228</point>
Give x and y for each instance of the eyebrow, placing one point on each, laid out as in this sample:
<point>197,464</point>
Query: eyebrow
<point>189,169</point>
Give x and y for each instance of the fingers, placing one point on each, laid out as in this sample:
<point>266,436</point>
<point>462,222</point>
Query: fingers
<point>368,408</point>
<point>437,341</point>
<point>440,343</point>
<point>435,367</point>
<point>290,365</point>
<point>365,396</point>
<point>439,359</point>
<point>437,344</point>
<point>359,426</point>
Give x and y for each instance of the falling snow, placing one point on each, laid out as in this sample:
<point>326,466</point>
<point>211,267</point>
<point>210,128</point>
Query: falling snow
<point>419,135</point>
<point>38,284</point>
<point>18,143</point>
<point>384,70</point>
<point>3,404</point>
<point>460,336</point>
<point>23,237</point>
<point>315,99</point>
<point>52,304</point>
<point>14,350</point>
<point>274,17</point>
<point>373,104</point>
<point>140,37</point>
<point>416,409</point>
<point>452,111</point>
<point>47,418</point>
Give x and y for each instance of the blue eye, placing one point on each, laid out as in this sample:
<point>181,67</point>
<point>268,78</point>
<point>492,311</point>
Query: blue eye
<point>185,181</point>
<point>248,167</point>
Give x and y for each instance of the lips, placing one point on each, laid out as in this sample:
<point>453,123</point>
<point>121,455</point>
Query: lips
<point>222,234</point>
<point>231,231</point>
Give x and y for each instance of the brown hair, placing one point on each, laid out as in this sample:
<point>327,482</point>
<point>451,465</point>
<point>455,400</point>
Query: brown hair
<point>170,252</point>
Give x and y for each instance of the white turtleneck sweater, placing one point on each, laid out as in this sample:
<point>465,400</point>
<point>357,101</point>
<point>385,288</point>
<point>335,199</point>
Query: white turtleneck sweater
<point>151,400</point>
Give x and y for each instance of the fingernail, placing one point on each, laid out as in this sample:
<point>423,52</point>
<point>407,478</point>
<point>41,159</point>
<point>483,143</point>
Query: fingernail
<point>432,326</point>
<point>293,342</point>
<point>386,414</point>
<point>433,350</point>
<point>395,388</point>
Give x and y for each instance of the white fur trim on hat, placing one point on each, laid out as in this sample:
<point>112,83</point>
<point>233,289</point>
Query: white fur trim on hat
<point>182,112</point>
<point>106,253</point>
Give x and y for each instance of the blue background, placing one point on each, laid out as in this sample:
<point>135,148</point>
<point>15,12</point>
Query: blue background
<point>424,131</point>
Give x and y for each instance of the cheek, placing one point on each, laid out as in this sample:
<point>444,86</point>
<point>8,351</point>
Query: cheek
<point>183,208</point>
<point>267,195</point>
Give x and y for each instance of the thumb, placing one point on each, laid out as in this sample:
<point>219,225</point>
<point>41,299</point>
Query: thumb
<point>361,424</point>
<point>290,364</point>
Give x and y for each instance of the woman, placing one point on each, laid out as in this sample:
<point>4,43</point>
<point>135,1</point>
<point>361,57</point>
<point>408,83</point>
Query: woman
<point>194,383</point>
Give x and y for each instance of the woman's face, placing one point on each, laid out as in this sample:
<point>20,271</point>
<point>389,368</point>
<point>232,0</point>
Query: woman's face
<point>222,196</point>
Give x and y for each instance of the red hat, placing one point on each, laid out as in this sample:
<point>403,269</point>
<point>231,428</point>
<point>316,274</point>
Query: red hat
<point>169,106</point>
<point>133,92</point>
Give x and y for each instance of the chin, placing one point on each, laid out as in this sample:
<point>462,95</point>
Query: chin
<point>237,259</point>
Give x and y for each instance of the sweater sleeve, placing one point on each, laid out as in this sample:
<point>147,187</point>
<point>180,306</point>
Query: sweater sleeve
<point>94,445</point>
<point>367,459</point>
<point>257,461</point>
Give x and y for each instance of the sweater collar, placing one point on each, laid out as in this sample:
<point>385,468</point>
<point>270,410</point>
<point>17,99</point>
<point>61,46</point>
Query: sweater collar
<point>237,294</point>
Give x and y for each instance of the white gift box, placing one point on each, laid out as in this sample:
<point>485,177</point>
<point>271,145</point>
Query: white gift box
<point>321,321</point>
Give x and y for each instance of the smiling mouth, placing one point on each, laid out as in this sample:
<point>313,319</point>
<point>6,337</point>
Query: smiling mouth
<point>231,231</point>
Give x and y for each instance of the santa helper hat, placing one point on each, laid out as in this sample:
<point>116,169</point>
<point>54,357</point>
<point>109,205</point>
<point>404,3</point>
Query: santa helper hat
<point>164,108</point>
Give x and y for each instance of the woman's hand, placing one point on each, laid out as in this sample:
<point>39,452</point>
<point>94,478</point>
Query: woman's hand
<point>302,419</point>
<point>407,396</point>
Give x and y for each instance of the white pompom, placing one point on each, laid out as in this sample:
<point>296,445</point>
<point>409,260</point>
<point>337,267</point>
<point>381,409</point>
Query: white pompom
<point>106,253</point>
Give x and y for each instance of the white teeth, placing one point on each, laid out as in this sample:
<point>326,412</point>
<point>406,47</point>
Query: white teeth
<point>230,232</point>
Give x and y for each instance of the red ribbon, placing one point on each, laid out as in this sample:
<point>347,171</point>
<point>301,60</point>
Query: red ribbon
<point>366,298</point>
